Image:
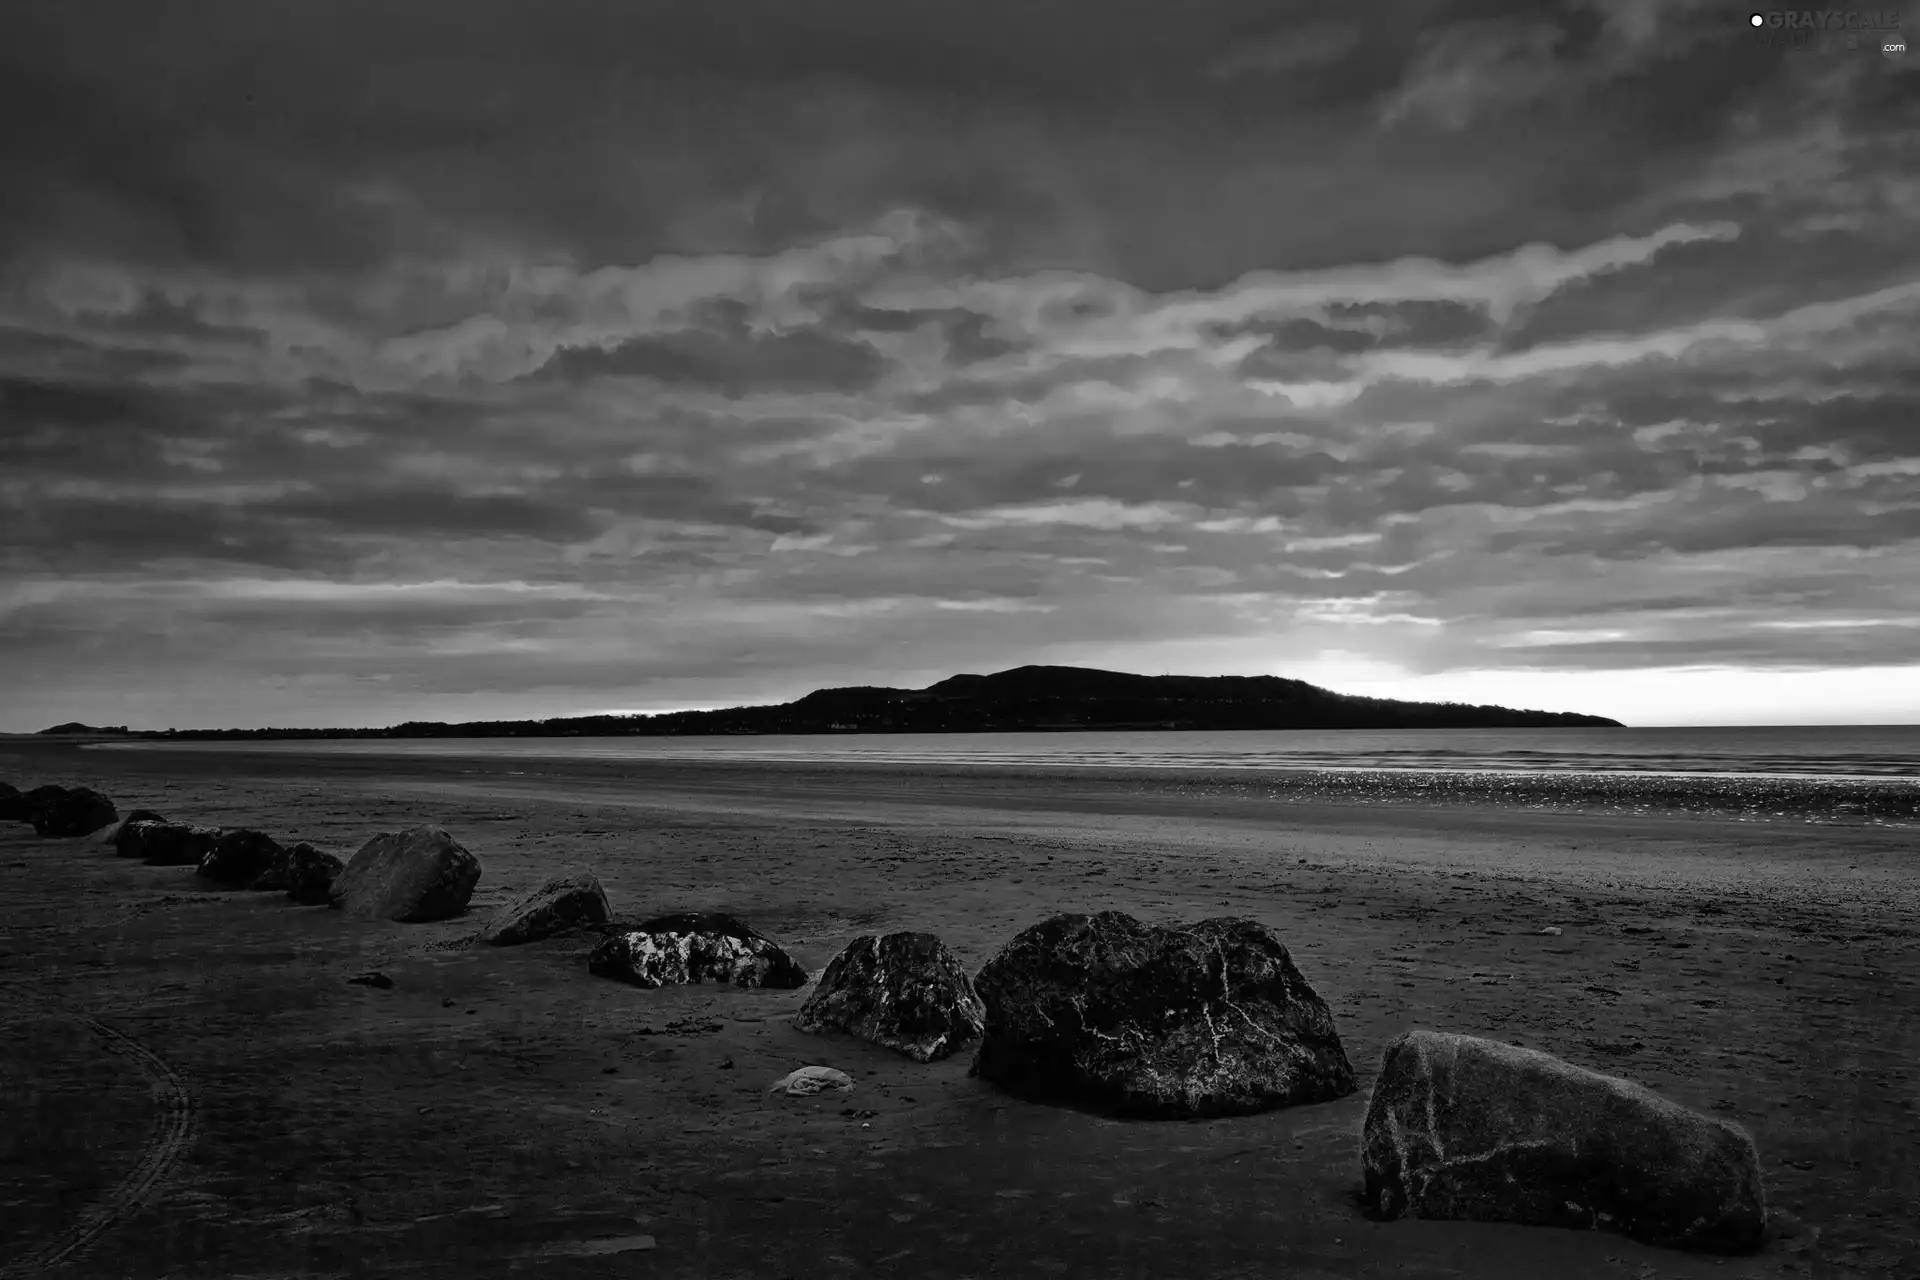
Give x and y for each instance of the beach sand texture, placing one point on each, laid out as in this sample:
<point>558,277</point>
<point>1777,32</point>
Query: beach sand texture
<point>190,1086</point>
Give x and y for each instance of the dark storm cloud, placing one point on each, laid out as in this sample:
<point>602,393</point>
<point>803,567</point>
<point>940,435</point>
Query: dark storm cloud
<point>266,136</point>
<point>83,535</point>
<point>1025,387</point>
<point>729,358</point>
<point>1770,271</point>
<point>1297,334</point>
<point>1309,348</point>
<point>29,403</point>
<point>969,335</point>
<point>414,509</point>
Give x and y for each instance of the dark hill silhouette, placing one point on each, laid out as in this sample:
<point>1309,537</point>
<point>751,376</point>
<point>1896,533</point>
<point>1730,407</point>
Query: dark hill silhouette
<point>74,726</point>
<point>1025,698</point>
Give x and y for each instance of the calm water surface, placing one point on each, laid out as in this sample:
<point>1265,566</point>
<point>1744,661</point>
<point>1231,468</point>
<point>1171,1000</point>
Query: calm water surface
<point>1878,752</point>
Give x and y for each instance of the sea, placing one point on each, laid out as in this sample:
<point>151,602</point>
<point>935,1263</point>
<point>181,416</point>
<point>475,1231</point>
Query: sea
<point>1867,752</point>
<point>1867,774</point>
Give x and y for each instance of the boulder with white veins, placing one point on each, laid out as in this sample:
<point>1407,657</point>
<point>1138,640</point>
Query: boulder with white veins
<point>1208,1019</point>
<point>1465,1128</point>
<point>903,991</point>
<point>695,946</point>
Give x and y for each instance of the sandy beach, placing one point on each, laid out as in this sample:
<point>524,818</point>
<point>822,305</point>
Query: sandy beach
<point>498,1111</point>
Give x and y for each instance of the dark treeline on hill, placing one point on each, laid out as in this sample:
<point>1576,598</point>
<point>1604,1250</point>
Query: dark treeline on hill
<point>1026,698</point>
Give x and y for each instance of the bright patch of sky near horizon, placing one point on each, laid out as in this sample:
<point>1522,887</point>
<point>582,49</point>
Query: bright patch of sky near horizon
<point>356,369</point>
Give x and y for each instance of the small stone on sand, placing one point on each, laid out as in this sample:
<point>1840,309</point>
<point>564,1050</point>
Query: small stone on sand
<point>811,1080</point>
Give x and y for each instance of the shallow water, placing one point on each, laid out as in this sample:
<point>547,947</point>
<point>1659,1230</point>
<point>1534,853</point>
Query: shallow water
<point>1878,752</point>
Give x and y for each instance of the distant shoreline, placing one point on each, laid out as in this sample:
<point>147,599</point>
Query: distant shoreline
<point>1030,699</point>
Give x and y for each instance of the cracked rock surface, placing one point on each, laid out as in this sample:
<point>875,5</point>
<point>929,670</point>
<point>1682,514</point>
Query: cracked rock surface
<point>903,991</point>
<point>1108,1013</point>
<point>1465,1128</point>
<point>695,946</point>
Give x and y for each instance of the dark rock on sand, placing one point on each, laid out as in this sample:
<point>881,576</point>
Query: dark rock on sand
<point>558,905</point>
<point>695,946</point>
<point>298,864</point>
<point>13,805</point>
<point>135,836</point>
<point>1108,1013</point>
<point>165,844</point>
<point>110,834</point>
<point>415,875</point>
<point>1460,1127</point>
<point>904,991</point>
<point>76,811</point>
<point>307,874</point>
<point>33,800</point>
<point>375,979</point>
<point>239,856</point>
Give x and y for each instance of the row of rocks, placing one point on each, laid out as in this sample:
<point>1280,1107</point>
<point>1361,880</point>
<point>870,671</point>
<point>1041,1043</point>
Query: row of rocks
<point>1098,1011</point>
<point>906,991</point>
<point>1213,1019</point>
<point>414,875</point>
<point>1102,1012</point>
<point>233,857</point>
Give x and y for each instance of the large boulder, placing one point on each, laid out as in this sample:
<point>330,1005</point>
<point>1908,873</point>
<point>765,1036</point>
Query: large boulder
<point>165,844</point>
<point>1460,1127</point>
<point>239,856</point>
<point>110,834</point>
<point>904,991</point>
<point>75,811</point>
<point>560,904</point>
<point>305,874</point>
<point>1107,1013</point>
<point>277,875</point>
<point>415,875</point>
<point>13,805</point>
<point>33,801</point>
<point>695,946</point>
<point>132,838</point>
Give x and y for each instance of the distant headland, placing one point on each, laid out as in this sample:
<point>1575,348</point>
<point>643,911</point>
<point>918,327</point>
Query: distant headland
<point>1025,699</point>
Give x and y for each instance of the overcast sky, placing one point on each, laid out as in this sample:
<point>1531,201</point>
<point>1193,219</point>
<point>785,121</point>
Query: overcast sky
<point>461,359</point>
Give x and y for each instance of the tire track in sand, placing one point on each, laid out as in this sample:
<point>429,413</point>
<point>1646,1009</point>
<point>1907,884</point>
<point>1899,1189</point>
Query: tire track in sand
<point>173,1129</point>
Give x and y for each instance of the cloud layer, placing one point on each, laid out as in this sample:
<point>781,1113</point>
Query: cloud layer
<point>515,369</point>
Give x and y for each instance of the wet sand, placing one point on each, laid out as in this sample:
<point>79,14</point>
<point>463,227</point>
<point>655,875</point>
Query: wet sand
<point>499,1112</point>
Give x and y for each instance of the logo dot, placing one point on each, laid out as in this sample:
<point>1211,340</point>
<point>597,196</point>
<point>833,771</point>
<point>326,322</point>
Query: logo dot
<point>1758,20</point>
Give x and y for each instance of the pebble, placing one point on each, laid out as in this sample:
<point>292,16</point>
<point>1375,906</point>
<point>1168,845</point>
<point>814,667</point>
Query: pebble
<point>810,1080</point>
